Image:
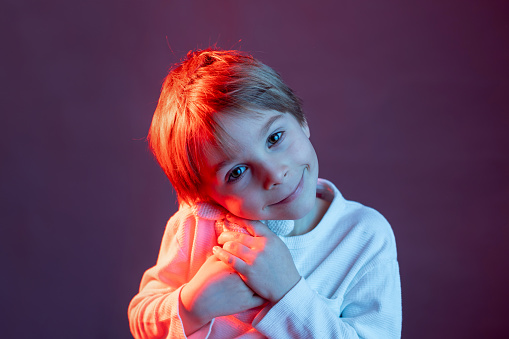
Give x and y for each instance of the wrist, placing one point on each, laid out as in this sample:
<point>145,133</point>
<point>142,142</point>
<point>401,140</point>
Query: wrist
<point>189,311</point>
<point>291,284</point>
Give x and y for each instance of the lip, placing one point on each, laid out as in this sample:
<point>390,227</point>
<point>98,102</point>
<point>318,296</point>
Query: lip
<point>294,195</point>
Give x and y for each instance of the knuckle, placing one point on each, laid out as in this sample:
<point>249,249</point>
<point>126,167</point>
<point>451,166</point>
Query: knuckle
<point>230,246</point>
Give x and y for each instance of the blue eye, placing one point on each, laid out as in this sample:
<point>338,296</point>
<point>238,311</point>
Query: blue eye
<point>274,138</point>
<point>236,173</point>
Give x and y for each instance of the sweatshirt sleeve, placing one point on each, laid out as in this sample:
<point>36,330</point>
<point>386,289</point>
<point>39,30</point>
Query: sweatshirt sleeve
<point>371,309</point>
<point>154,311</point>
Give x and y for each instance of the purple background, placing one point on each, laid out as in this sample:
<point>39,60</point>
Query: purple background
<point>408,107</point>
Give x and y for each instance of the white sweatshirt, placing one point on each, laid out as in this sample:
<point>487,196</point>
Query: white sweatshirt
<point>350,285</point>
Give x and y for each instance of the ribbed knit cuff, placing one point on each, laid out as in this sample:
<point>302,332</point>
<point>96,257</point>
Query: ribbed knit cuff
<point>171,306</point>
<point>290,312</point>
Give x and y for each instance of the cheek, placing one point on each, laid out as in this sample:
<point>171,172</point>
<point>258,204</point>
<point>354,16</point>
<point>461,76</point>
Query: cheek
<point>249,208</point>
<point>313,157</point>
<point>234,207</point>
<point>305,151</point>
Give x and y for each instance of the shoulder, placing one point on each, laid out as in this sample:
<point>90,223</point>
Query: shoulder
<point>192,214</point>
<point>373,226</point>
<point>191,221</point>
<point>360,225</point>
<point>367,219</point>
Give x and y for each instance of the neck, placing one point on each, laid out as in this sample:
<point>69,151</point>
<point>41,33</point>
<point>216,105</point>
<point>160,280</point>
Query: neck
<point>309,222</point>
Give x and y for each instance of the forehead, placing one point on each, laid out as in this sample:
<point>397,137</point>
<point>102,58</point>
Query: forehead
<point>256,120</point>
<point>246,124</point>
<point>236,131</point>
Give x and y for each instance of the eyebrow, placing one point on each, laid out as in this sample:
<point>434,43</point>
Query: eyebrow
<point>219,166</point>
<point>265,128</point>
<point>263,132</point>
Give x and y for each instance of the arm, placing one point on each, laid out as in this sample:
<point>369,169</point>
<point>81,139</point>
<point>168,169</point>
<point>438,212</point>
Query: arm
<point>371,308</point>
<point>154,311</point>
<point>175,300</point>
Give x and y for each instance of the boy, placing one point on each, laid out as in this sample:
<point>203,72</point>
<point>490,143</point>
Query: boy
<point>234,142</point>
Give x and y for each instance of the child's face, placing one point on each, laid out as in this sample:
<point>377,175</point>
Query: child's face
<point>270,171</point>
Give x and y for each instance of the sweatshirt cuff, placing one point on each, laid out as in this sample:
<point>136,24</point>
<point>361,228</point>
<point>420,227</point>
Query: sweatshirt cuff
<point>202,333</point>
<point>277,318</point>
<point>172,304</point>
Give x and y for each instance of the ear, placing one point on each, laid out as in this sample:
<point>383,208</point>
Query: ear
<point>305,128</point>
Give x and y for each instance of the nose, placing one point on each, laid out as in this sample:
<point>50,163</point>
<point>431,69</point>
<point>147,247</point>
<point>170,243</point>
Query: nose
<point>274,174</point>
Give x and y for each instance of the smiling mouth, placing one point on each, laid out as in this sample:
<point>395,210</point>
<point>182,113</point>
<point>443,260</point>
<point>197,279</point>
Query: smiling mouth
<point>294,195</point>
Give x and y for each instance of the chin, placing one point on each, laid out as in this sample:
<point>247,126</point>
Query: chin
<point>297,212</point>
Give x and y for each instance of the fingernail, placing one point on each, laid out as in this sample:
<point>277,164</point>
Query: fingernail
<point>215,249</point>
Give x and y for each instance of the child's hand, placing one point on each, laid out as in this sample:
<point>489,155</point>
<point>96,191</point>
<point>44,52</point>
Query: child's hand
<point>262,259</point>
<point>216,290</point>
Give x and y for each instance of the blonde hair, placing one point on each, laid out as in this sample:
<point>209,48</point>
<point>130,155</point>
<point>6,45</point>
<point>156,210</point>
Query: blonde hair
<point>206,84</point>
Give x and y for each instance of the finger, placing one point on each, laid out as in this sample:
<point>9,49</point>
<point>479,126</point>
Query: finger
<point>239,250</point>
<point>229,259</point>
<point>257,301</point>
<point>255,227</point>
<point>242,238</point>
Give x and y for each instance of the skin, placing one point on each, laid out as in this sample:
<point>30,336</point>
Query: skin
<point>270,172</point>
<point>216,290</point>
<point>271,154</point>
